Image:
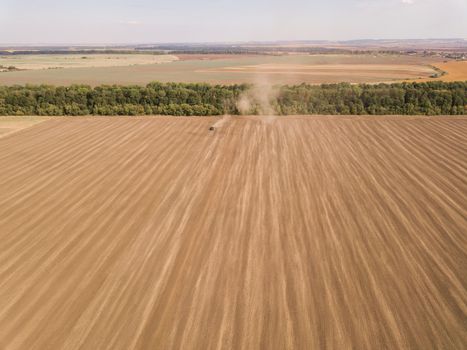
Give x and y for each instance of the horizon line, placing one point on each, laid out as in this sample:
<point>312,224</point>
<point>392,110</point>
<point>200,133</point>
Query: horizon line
<point>239,42</point>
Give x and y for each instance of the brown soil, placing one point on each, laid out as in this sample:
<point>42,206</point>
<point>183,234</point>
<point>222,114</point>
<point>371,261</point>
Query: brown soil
<point>456,70</point>
<point>233,69</point>
<point>268,233</point>
<point>9,125</point>
<point>45,62</point>
<point>329,72</point>
<point>208,57</point>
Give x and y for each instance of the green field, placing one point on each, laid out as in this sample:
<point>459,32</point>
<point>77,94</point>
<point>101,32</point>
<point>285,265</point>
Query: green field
<point>289,69</point>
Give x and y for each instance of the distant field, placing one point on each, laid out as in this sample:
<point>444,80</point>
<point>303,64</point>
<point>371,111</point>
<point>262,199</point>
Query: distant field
<point>331,71</point>
<point>269,233</point>
<point>456,70</point>
<point>39,62</point>
<point>225,69</point>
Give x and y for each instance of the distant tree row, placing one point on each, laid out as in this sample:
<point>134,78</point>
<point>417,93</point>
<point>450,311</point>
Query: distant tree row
<point>433,98</point>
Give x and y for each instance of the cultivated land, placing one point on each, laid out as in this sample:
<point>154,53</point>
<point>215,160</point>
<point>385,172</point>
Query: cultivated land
<point>10,125</point>
<point>456,71</point>
<point>272,233</point>
<point>225,69</point>
<point>41,62</point>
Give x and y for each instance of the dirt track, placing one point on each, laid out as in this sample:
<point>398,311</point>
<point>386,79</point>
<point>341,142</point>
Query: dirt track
<point>298,233</point>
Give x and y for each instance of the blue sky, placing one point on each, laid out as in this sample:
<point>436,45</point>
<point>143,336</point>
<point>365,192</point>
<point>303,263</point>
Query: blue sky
<point>144,21</point>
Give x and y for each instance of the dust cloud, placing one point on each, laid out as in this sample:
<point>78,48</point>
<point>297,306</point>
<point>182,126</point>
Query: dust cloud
<point>260,100</point>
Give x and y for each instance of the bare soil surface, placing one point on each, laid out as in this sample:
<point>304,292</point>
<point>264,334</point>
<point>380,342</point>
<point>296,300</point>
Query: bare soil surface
<point>268,233</point>
<point>208,57</point>
<point>345,72</point>
<point>456,70</point>
<point>41,62</point>
<point>9,125</point>
<point>233,69</point>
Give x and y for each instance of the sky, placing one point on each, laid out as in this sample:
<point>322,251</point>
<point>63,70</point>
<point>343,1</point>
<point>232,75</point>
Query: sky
<point>156,21</point>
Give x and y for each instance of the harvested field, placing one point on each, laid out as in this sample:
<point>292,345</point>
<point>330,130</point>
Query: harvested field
<point>229,69</point>
<point>271,233</point>
<point>330,71</point>
<point>456,71</point>
<point>41,62</point>
<point>208,57</point>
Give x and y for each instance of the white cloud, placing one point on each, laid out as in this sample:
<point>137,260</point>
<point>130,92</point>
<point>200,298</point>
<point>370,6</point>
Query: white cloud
<point>408,2</point>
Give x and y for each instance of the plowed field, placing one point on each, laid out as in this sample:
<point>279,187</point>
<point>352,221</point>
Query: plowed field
<point>287,233</point>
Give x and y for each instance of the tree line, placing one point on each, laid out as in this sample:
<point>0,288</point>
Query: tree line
<point>155,98</point>
<point>431,98</point>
